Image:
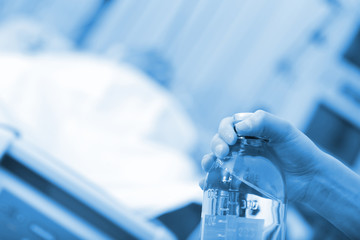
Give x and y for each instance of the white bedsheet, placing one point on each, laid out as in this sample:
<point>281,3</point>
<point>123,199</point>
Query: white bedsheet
<point>107,121</point>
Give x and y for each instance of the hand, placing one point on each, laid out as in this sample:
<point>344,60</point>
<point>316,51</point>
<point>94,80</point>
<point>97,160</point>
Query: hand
<point>295,151</point>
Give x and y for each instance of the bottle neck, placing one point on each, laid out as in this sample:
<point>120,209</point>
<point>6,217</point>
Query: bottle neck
<point>245,143</point>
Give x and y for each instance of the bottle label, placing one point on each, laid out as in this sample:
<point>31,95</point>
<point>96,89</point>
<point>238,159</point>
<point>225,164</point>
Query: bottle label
<point>231,227</point>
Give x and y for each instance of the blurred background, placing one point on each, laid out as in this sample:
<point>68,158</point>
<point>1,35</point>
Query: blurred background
<point>95,82</point>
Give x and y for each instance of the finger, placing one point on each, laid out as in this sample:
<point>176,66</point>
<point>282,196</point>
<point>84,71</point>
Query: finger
<point>263,124</point>
<point>238,117</point>
<point>219,147</point>
<point>202,183</point>
<point>226,130</point>
<point>207,161</point>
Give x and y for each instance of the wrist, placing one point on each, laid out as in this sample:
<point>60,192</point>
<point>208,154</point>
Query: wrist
<point>319,184</point>
<point>334,194</point>
<point>308,163</point>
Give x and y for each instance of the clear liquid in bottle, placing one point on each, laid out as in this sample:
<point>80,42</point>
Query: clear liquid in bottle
<point>244,196</point>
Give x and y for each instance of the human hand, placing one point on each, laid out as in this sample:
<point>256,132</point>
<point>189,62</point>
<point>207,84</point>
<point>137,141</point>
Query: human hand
<point>297,154</point>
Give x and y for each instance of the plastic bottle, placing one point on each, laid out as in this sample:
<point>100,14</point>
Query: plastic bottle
<point>244,194</point>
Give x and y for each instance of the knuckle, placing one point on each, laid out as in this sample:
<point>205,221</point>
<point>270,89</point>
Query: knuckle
<point>261,117</point>
<point>260,121</point>
<point>224,122</point>
<point>288,128</point>
<point>261,114</point>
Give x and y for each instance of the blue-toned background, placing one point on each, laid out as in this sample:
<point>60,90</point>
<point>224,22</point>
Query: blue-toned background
<point>160,72</point>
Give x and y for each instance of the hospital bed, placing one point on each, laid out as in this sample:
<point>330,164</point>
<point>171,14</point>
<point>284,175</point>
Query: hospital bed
<point>41,199</point>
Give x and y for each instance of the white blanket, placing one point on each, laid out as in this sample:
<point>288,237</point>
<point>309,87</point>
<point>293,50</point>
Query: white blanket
<point>106,120</point>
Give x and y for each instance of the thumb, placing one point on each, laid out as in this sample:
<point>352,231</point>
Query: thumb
<point>263,124</point>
